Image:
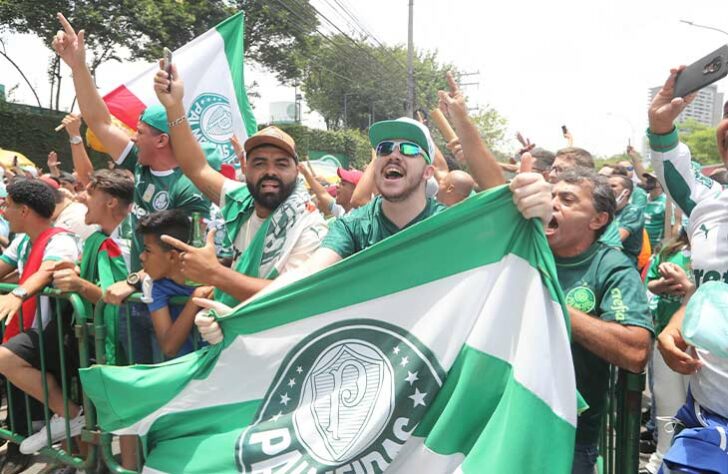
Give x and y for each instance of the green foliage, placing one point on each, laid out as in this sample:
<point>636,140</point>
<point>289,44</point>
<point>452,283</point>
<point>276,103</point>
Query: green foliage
<point>30,131</point>
<point>373,79</point>
<point>144,27</point>
<point>351,143</point>
<point>492,127</point>
<point>700,139</point>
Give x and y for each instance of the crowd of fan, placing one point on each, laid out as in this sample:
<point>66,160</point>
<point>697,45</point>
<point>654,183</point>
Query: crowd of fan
<point>628,256</point>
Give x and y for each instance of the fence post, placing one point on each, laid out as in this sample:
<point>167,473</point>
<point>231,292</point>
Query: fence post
<point>629,404</point>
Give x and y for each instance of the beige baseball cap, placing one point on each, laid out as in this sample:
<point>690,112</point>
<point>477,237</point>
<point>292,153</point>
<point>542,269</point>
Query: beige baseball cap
<point>272,136</point>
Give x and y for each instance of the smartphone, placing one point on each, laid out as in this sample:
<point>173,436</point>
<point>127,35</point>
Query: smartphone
<point>703,72</point>
<point>168,66</point>
<point>564,130</point>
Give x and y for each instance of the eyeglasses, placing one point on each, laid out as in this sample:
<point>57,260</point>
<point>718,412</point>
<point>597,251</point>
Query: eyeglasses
<point>408,149</point>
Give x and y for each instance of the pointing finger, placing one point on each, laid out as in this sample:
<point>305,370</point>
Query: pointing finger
<point>178,244</point>
<point>66,25</point>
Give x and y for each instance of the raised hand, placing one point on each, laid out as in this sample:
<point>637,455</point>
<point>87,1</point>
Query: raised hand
<point>52,160</point>
<point>72,124</point>
<point>452,103</point>
<point>69,45</point>
<point>197,264</point>
<point>665,108</point>
<point>168,98</point>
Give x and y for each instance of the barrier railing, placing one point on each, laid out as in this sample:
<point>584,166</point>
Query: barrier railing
<point>620,437</point>
<point>127,340</point>
<point>20,401</point>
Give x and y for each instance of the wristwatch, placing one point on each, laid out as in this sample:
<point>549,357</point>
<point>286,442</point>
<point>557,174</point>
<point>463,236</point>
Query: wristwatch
<point>133,279</point>
<point>20,292</point>
<point>75,140</point>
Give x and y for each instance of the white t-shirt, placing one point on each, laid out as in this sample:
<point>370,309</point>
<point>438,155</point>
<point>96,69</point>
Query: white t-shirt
<point>308,242</point>
<point>706,204</point>
<point>61,247</point>
<point>73,218</point>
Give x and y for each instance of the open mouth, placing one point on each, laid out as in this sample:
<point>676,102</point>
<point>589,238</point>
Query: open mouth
<point>552,226</point>
<point>269,186</point>
<point>393,173</point>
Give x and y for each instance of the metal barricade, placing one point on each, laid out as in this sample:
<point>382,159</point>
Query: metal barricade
<point>14,399</point>
<point>619,441</point>
<point>125,338</point>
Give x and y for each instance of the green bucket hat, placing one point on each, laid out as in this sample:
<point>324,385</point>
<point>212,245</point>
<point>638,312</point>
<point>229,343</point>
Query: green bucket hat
<point>155,116</point>
<point>404,128</point>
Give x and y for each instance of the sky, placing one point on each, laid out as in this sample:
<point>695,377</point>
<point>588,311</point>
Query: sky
<point>541,65</point>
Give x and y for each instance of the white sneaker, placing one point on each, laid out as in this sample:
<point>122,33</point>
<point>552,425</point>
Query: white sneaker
<point>39,440</point>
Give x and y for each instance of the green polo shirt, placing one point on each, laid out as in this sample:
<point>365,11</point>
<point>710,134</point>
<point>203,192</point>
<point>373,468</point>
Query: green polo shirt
<point>632,219</point>
<point>603,283</point>
<point>158,191</point>
<point>654,212</point>
<point>367,225</point>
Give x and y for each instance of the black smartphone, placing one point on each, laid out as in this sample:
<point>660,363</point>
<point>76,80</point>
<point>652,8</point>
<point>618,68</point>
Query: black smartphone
<point>703,72</point>
<point>564,130</point>
<point>168,66</point>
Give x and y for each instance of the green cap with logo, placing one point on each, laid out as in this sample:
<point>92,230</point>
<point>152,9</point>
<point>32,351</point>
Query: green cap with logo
<point>155,116</point>
<point>404,128</point>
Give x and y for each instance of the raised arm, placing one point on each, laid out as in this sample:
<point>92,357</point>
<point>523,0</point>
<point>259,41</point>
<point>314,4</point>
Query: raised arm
<point>70,47</point>
<point>636,160</point>
<point>325,201</point>
<point>187,150</point>
<point>81,161</point>
<point>483,165</point>
<point>365,188</point>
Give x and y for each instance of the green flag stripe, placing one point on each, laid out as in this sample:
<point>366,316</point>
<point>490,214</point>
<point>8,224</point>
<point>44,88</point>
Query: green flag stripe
<point>435,248</point>
<point>232,31</point>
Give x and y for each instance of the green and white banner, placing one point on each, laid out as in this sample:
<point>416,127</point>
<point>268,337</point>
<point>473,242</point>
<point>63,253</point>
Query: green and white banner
<point>442,349</point>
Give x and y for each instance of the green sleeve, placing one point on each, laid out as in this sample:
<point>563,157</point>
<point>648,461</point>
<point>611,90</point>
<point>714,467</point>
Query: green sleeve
<point>340,238</point>
<point>623,295</point>
<point>652,272</point>
<point>632,219</point>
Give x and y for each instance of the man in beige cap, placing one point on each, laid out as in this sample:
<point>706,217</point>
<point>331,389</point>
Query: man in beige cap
<point>270,220</point>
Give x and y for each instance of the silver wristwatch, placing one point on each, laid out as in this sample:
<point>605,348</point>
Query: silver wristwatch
<point>20,292</point>
<point>75,140</point>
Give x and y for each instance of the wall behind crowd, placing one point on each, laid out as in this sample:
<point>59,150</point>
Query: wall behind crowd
<point>30,131</point>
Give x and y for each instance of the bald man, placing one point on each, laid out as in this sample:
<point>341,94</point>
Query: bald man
<point>455,187</point>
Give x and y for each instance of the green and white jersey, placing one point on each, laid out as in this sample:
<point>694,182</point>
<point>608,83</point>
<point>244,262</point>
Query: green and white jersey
<point>654,212</point>
<point>706,204</point>
<point>61,247</point>
<point>158,191</point>
<point>601,282</point>
<point>639,197</point>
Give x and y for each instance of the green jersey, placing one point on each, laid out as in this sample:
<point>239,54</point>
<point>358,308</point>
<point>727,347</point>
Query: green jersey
<point>631,219</point>
<point>367,225</point>
<point>654,212</point>
<point>158,191</point>
<point>604,284</point>
<point>610,236</point>
<point>639,197</point>
<point>664,306</point>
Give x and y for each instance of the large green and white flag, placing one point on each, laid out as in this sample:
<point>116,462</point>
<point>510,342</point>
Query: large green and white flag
<point>442,349</point>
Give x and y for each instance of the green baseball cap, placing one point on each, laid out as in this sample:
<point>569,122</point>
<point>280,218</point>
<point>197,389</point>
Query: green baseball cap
<point>404,128</point>
<point>155,116</point>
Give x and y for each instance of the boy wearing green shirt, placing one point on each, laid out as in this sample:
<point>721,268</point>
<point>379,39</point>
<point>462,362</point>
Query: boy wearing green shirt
<point>610,321</point>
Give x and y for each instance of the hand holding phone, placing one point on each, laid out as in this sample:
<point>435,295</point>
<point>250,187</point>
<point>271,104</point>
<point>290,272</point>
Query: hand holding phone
<point>702,72</point>
<point>168,66</point>
<point>564,130</point>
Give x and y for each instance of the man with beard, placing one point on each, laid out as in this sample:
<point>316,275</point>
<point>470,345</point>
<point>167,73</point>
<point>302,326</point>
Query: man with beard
<point>403,164</point>
<point>270,220</point>
<point>610,322</point>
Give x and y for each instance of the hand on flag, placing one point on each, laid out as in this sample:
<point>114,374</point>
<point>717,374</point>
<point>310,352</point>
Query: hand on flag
<point>167,97</point>
<point>196,264</point>
<point>209,329</point>
<point>531,192</point>
<point>69,45</point>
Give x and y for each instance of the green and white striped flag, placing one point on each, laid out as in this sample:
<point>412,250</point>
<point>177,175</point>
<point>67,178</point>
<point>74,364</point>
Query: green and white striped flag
<point>441,349</point>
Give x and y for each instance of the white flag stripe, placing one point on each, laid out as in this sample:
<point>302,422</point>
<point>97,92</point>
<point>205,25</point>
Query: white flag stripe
<point>418,458</point>
<point>534,345</point>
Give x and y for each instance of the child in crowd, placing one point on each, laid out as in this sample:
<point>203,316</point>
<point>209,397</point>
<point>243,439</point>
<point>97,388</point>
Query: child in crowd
<point>172,325</point>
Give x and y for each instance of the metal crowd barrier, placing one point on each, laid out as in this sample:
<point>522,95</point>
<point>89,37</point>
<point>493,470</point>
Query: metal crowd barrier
<point>71,388</point>
<point>106,440</point>
<point>620,437</point>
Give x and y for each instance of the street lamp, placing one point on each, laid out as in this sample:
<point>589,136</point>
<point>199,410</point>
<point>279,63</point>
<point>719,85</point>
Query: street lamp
<point>704,26</point>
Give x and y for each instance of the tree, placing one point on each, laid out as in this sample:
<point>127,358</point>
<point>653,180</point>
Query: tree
<point>700,139</point>
<point>139,29</point>
<point>370,81</point>
<point>492,127</point>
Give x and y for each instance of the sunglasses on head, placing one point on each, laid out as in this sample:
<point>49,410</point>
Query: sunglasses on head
<point>405,148</point>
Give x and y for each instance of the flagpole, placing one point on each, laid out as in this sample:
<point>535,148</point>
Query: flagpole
<point>410,67</point>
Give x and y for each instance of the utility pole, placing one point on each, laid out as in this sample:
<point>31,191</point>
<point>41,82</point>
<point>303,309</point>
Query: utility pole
<point>410,66</point>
